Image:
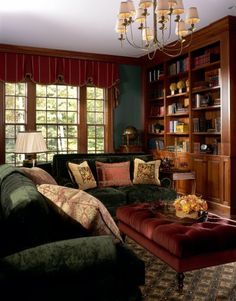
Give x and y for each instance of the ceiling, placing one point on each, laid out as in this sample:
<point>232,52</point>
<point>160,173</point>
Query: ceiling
<point>84,26</point>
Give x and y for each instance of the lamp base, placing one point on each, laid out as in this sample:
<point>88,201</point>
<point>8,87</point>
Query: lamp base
<point>29,162</point>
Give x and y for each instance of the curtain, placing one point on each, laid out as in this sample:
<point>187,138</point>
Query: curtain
<point>15,67</point>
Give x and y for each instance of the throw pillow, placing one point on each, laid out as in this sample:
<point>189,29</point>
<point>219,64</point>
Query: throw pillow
<point>38,175</point>
<point>146,172</point>
<point>82,175</point>
<point>113,174</point>
<point>82,207</point>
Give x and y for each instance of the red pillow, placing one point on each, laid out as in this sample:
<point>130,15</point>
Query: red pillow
<point>113,174</point>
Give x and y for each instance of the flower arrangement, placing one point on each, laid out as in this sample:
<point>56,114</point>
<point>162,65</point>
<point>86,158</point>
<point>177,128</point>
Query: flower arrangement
<point>189,206</point>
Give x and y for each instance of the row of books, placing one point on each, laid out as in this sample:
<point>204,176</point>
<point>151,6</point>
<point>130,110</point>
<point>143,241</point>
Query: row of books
<point>176,108</point>
<point>209,56</point>
<point>176,126</point>
<point>156,93</point>
<point>206,125</point>
<point>156,111</point>
<point>156,74</point>
<point>182,65</point>
<point>213,77</point>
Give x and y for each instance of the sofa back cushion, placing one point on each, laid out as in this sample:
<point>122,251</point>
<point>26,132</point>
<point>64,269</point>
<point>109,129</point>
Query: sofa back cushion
<point>113,174</point>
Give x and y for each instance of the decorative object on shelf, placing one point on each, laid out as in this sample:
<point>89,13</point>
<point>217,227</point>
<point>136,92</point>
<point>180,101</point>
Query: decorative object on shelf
<point>187,84</point>
<point>180,85</point>
<point>130,136</point>
<point>190,206</point>
<point>173,88</point>
<point>30,143</point>
<point>162,14</point>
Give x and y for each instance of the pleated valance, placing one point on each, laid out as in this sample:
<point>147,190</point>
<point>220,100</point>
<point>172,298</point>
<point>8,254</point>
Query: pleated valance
<point>15,67</point>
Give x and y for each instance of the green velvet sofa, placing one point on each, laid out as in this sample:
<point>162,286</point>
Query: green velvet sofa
<point>112,197</point>
<point>46,255</point>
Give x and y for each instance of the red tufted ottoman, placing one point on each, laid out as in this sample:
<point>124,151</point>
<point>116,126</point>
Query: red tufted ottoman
<point>184,247</point>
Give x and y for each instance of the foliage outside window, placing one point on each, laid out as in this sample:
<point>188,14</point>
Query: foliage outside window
<point>57,111</point>
<point>15,119</point>
<point>95,105</point>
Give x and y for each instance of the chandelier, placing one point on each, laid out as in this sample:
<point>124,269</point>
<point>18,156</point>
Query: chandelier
<point>155,34</point>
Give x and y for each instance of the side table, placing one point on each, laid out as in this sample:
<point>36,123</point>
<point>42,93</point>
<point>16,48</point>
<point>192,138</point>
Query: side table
<point>47,166</point>
<point>180,175</point>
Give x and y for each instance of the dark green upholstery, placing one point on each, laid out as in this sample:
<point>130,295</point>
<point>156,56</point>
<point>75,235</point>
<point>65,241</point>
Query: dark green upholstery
<point>112,197</point>
<point>45,255</point>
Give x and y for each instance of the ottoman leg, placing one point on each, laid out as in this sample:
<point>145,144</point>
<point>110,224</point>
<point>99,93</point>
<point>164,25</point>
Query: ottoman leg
<point>180,279</point>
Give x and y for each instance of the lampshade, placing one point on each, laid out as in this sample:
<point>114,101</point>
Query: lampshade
<point>30,143</point>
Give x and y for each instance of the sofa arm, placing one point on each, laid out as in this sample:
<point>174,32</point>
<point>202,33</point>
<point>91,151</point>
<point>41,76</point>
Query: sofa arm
<point>73,256</point>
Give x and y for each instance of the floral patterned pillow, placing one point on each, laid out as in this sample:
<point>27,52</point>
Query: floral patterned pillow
<point>82,207</point>
<point>82,175</point>
<point>146,172</point>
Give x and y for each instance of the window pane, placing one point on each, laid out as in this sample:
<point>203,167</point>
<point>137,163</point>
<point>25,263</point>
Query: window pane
<point>52,131</point>
<point>51,104</point>
<point>14,119</point>
<point>20,89</point>
<point>62,91</point>
<point>51,91</point>
<point>10,102</point>
<point>59,119</point>
<point>41,116</point>
<point>62,104</point>
<point>72,104</point>
<point>99,118</point>
<point>10,89</point>
<point>51,117</point>
<point>10,131</point>
<point>41,103</point>
<point>41,90</point>
<point>9,116</point>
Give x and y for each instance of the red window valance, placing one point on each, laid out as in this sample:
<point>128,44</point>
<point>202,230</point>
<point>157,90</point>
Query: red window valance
<point>15,67</point>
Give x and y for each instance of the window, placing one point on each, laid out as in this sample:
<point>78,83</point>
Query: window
<point>15,119</point>
<point>57,110</point>
<point>71,119</point>
<point>95,104</point>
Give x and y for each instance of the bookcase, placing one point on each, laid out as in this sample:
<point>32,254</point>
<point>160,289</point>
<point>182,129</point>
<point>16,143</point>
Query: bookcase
<point>190,110</point>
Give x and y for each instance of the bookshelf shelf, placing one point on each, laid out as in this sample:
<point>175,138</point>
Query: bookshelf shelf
<point>200,90</point>
<point>215,107</point>
<point>205,66</point>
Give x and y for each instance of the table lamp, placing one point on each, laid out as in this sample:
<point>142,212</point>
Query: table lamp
<point>30,143</point>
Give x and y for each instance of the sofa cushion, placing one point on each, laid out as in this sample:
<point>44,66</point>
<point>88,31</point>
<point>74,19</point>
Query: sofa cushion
<point>38,175</point>
<point>146,172</point>
<point>81,174</point>
<point>82,207</point>
<point>113,174</point>
<point>111,197</point>
<point>145,193</point>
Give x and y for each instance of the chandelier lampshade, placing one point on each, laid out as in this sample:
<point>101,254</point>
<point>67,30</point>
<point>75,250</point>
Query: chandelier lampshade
<point>154,19</point>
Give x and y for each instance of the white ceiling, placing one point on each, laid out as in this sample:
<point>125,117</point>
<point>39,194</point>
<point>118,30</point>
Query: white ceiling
<point>79,25</point>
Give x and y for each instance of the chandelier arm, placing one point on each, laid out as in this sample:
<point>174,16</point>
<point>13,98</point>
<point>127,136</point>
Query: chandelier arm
<point>131,41</point>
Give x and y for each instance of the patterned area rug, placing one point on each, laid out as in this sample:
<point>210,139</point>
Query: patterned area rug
<point>210,284</point>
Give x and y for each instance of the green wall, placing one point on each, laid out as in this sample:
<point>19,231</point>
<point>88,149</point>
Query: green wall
<point>129,110</point>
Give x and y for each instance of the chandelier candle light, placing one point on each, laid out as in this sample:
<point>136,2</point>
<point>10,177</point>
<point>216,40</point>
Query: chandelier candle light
<point>155,34</point>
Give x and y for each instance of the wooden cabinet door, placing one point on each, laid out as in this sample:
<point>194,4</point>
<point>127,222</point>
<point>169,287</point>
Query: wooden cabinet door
<point>199,165</point>
<point>214,172</point>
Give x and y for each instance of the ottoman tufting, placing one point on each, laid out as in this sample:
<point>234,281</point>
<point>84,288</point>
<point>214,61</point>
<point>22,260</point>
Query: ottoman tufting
<point>183,246</point>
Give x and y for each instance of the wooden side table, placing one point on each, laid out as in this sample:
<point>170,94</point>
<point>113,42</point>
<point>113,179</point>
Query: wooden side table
<point>181,175</point>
